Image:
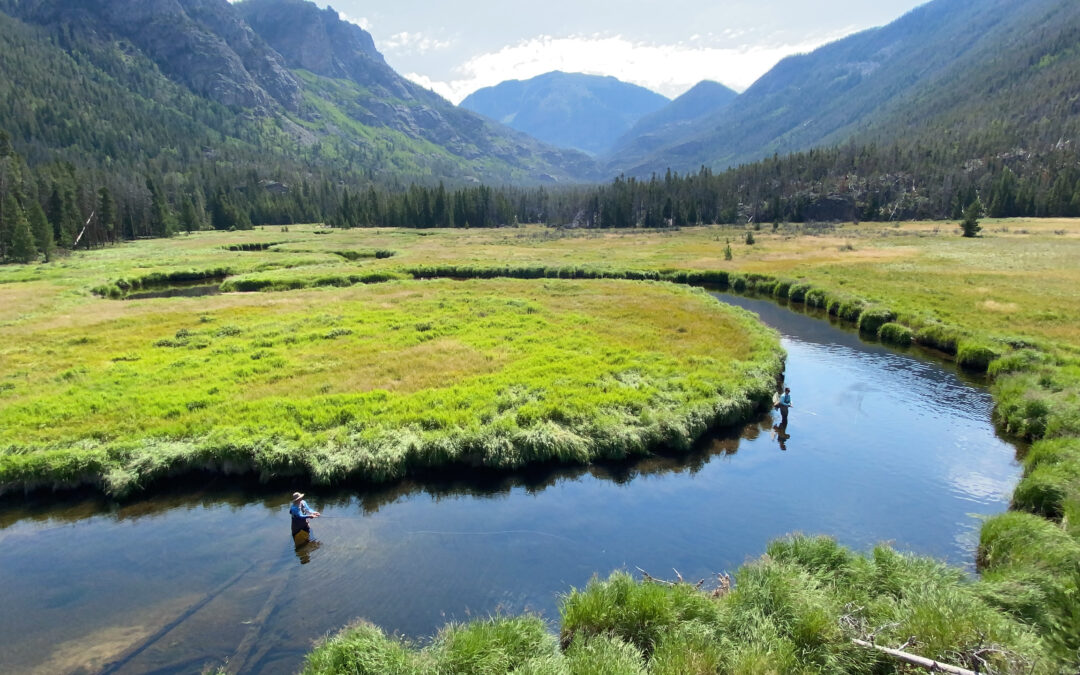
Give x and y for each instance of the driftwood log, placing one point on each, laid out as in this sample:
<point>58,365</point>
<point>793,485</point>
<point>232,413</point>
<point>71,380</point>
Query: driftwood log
<point>916,660</point>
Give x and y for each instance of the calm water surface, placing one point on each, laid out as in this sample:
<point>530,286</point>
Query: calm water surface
<point>881,446</point>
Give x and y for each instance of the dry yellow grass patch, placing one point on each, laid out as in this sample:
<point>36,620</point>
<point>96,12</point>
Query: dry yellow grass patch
<point>1003,307</point>
<point>357,369</point>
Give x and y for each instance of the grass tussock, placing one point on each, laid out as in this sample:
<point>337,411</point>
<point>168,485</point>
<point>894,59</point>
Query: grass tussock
<point>1051,483</point>
<point>896,334</point>
<point>872,319</point>
<point>976,356</point>
<point>799,291</point>
<point>794,610</point>
<point>1031,569</point>
<point>496,645</point>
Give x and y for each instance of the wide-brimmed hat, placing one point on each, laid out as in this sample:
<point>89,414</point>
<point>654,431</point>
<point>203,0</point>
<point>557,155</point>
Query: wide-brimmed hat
<point>297,496</point>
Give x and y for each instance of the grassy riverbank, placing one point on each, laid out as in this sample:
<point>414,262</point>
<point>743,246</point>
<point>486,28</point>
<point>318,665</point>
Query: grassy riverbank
<point>1006,303</point>
<point>794,610</point>
<point>372,382</point>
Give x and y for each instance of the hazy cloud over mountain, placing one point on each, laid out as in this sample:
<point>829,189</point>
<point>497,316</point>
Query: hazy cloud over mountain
<point>457,48</point>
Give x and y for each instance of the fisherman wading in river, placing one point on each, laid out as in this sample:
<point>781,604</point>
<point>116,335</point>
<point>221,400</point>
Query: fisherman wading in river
<point>783,404</point>
<point>301,514</point>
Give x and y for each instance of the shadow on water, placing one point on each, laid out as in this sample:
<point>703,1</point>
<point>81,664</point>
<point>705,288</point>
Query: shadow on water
<point>880,445</point>
<point>212,490</point>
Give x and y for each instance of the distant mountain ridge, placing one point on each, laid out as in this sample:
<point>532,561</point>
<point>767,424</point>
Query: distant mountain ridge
<point>703,99</point>
<point>569,110</point>
<point>887,84</point>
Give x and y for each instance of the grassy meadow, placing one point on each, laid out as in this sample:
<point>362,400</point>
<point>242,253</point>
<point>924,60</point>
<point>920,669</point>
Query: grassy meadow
<point>369,352</point>
<point>372,381</point>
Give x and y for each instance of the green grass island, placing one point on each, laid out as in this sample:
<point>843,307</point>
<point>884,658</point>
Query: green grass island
<point>374,381</point>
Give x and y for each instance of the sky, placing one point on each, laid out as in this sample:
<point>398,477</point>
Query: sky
<point>668,46</point>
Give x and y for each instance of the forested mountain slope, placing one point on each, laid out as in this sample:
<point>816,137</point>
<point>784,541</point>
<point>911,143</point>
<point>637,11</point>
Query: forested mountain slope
<point>702,100</point>
<point>570,110</point>
<point>972,71</point>
<point>326,100</point>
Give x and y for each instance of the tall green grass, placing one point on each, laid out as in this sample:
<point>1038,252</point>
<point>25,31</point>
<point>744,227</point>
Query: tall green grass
<point>382,381</point>
<point>794,610</point>
<point>896,334</point>
<point>872,319</point>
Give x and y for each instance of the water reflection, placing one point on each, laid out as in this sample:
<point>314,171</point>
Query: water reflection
<point>780,434</point>
<point>881,445</point>
<point>304,551</point>
<point>243,492</point>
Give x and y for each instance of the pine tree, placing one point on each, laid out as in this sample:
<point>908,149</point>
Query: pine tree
<point>106,211</point>
<point>43,232</point>
<point>1003,196</point>
<point>56,213</point>
<point>22,240</point>
<point>225,215</point>
<point>374,207</point>
<point>63,215</point>
<point>970,224</point>
<point>7,223</point>
<point>161,219</point>
<point>189,219</point>
<point>441,213</point>
<point>73,218</point>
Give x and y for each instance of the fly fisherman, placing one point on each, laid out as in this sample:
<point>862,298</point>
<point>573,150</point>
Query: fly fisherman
<point>783,404</point>
<point>301,514</point>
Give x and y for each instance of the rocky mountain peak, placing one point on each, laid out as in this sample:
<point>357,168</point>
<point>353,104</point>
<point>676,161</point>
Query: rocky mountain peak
<point>319,41</point>
<point>204,44</point>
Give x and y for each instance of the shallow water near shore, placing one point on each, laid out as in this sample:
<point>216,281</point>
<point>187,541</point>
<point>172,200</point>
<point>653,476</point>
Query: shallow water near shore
<point>882,445</point>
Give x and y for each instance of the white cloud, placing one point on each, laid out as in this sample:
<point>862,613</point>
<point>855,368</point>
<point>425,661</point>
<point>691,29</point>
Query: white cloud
<point>413,43</point>
<point>361,21</point>
<point>668,69</point>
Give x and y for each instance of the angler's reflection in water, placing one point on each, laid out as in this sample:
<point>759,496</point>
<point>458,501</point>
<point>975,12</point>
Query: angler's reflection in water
<point>779,432</point>
<point>304,551</point>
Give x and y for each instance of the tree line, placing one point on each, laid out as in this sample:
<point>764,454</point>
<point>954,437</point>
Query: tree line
<point>59,205</point>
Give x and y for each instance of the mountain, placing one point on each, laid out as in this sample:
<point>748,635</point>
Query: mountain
<point>279,79</point>
<point>338,63</point>
<point>569,110</point>
<point>203,44</point>
<point>978,68</point>
<point>703,99</point>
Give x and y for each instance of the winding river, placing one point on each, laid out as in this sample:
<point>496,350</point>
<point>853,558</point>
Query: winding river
<point>882,445</point>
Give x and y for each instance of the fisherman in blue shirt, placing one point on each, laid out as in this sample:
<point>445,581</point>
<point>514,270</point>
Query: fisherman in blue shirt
<point>301,514</point>
<point>783,405</point>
